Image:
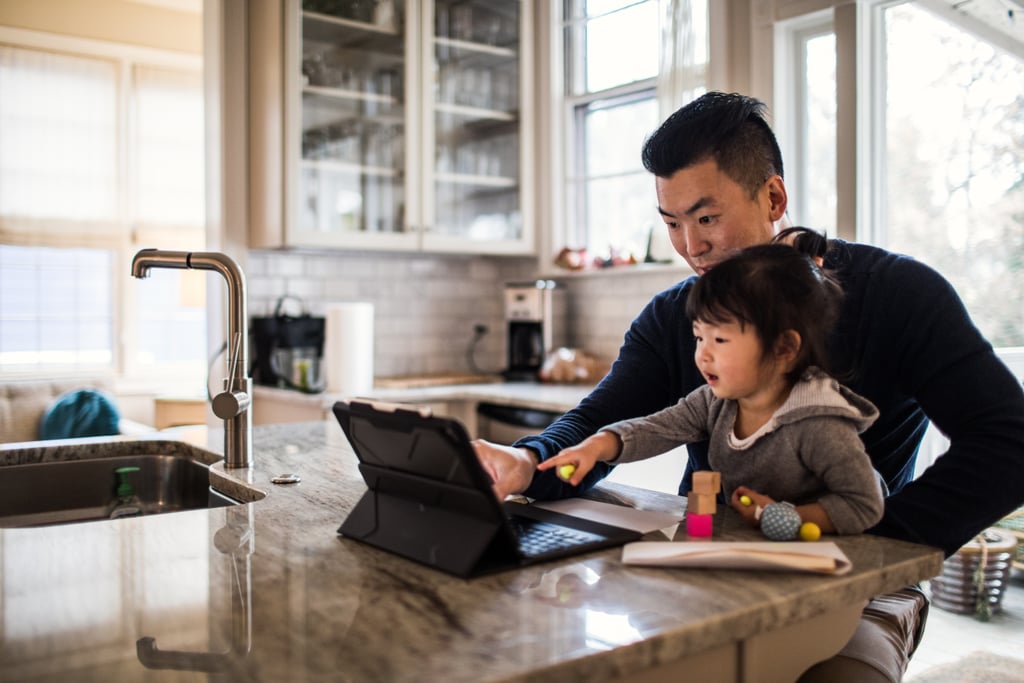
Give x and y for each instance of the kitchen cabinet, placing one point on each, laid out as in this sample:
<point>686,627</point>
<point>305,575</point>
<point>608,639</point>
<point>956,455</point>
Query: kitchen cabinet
<point>389,124</point>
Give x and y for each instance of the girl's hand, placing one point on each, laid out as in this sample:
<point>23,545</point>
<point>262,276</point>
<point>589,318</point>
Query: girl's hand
<point>572,464</point>
<point>747,501</point>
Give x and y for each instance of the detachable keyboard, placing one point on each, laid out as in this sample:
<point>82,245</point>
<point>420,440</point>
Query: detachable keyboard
<point>539,538</point>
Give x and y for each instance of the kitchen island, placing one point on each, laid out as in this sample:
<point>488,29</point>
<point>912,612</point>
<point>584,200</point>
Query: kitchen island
<point>268,591</point>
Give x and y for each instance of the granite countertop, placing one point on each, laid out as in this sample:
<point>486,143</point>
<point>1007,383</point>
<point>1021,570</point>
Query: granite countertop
<point>268,591</point>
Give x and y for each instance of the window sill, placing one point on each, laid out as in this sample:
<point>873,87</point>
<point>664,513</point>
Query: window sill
<point>639,269</point>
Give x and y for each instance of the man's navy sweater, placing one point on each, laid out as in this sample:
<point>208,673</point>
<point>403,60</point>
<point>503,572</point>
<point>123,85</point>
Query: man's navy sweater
<point>905,342</point>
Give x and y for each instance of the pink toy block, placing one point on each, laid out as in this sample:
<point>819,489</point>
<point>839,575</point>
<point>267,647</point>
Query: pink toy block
<point>699,525</point>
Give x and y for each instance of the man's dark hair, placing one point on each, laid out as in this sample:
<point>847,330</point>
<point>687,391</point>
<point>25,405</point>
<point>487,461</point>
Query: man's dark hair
<point>730,128</point>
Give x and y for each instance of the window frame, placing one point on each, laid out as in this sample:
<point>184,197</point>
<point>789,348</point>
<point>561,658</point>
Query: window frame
<point>570,213</point>
<point>861,84</point>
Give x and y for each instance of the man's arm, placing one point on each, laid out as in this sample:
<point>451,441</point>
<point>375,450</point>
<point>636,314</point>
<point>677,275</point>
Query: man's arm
<point>941,360</point>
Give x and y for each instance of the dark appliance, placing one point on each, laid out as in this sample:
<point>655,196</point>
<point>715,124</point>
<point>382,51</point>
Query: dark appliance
<point>535,315</point>
<point>287,349</point>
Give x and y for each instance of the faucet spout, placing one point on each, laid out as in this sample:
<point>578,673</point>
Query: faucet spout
<point>233,404</point>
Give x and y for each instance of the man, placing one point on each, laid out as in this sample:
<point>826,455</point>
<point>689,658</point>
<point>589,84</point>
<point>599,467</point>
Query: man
<point>904,341</point>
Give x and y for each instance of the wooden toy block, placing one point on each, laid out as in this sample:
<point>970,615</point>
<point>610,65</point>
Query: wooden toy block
<point>701,503</point>
<point>707,481</point>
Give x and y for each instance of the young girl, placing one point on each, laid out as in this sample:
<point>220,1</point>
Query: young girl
<point>779,428</point>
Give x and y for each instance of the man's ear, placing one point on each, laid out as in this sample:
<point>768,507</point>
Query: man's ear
<point>778,199</point>
<point>787,346</point>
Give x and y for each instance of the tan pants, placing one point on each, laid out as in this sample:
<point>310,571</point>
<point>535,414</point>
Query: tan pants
<point>889,631</point>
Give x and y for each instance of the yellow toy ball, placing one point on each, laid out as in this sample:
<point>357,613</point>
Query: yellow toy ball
<point>745,500</point>
<point>809,531</point>
<point>566,471</point>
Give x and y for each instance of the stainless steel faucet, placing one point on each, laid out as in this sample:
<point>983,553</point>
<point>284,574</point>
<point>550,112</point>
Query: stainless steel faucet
<point>232,404</point>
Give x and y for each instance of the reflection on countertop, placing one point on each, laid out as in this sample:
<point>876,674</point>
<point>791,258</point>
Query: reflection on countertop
<point>269,592</point>
<point>542,396</point>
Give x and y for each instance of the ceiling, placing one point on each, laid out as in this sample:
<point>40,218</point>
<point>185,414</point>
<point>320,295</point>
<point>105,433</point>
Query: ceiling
<point>998,21</point>
<point>190,6</point>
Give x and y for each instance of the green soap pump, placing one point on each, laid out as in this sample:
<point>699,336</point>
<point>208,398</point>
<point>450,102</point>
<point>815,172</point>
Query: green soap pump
<point>127,503</point>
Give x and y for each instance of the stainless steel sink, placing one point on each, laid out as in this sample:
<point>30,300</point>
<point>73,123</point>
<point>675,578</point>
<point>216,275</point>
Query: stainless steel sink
<point>78,489</point>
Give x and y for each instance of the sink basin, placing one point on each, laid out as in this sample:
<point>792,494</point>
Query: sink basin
<point>74,488</point>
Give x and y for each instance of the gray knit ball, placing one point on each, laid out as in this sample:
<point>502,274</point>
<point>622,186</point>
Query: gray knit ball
<point>781,522</point>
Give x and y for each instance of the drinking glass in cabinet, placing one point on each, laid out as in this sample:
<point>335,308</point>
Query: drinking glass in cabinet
<point>379,12</point>
<point>353,116</point>
<point>477,126</point>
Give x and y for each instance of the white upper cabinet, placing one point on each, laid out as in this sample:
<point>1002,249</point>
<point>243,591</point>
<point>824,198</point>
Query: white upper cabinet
<point>383,124</point>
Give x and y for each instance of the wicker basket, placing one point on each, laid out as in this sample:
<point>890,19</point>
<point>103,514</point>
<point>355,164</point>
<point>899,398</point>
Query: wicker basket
<point>973,580</point>
<point>1014,524</point>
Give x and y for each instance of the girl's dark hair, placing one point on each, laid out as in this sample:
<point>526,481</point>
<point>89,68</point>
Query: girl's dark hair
<point>730,128</point>
<point>774,287</point>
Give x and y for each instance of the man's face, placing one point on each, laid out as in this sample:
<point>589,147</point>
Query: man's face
<point>709,216</point>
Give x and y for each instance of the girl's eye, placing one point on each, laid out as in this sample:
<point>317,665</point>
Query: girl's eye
<point>720,340</point>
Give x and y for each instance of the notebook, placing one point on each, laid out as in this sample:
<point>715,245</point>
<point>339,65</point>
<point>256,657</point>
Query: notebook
<point>430,500</point>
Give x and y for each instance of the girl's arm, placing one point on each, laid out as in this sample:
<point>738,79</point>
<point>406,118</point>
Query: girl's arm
<point>747,501</point>
<point>600,447</point>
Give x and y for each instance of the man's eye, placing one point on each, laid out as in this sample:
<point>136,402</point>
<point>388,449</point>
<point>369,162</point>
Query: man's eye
<point>706,220</point>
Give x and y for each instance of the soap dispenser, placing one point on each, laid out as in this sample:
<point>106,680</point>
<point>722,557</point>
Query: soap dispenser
<point>127,503</point>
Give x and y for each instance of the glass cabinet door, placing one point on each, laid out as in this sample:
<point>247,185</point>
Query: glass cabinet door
<point>353,163</point>
<point>477,134</point>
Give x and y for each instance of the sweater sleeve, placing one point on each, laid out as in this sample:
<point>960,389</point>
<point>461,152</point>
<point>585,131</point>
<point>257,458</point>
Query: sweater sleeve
<point>685,422</point>
<point>832,450</point>
<point>937,356</point>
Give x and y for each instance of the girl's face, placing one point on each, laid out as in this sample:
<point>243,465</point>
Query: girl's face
<point>732,360</point>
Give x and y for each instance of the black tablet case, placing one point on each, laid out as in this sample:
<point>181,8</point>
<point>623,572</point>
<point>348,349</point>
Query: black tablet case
<point>429,499</point>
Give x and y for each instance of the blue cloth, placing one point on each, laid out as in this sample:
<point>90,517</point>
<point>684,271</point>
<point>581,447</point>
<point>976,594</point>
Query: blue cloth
<point>82,412</point>
<point>904,342</point>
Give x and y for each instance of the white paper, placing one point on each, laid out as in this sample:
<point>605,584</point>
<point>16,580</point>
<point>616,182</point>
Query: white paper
<point>643,521</point>
<point>818,558</point>
<point>348,348</point>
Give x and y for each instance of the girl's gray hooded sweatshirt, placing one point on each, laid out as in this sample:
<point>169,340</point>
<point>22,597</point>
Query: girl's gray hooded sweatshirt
<point>809,451</point>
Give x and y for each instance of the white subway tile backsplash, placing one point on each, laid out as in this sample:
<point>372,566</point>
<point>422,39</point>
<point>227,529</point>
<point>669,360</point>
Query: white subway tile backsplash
<point>425,307</point>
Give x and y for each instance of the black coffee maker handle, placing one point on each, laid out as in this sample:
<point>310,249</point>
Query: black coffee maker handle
<point>280,304</point>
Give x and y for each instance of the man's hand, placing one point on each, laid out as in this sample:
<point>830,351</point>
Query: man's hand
<point>511,469</point>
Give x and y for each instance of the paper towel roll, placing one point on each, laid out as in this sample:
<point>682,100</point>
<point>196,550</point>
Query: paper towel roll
<point>348,348</point>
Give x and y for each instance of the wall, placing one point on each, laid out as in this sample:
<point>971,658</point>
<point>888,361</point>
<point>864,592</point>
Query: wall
<point>602,306</point>
<point>133,22</point>
<point>425,306</point>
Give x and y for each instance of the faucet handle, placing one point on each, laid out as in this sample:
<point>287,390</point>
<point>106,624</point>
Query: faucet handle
<point>229,404</point>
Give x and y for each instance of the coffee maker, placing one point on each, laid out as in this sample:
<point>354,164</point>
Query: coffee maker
<point>535,316</point>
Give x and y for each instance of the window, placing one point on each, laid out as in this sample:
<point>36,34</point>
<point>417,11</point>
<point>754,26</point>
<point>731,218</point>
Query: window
<point>940,142</point>
<point>615,53</point>
<point>953,189</point>
<point>101,153</point>
<point>808,137</point>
